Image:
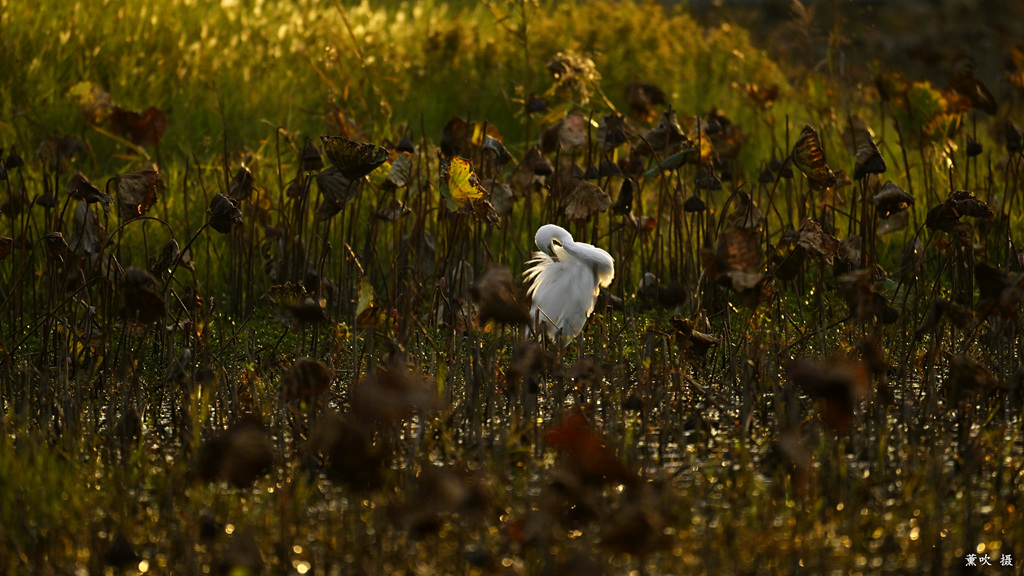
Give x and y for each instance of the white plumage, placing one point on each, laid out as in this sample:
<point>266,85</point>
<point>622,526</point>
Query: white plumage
<point>566,278</point>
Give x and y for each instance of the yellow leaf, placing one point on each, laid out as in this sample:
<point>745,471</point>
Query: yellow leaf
<point>459,185</point>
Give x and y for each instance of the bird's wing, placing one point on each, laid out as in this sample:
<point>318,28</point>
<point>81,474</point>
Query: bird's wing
<point>597,260</point>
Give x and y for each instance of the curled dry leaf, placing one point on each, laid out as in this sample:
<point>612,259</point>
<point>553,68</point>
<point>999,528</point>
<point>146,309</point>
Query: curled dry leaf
<point>501,196</point>
<point>6,245</point>
<point>80,188</point>
<point>968,377</point>
<point>310,160</point>
<point>347,451</point>
<point>306,380</point>
<point>223,214</point>
<point>238,455</point>
<point>891,199</point>
<point>946,216</point>
<point>241,185</point>
<point>138,191</point>
<point>500,297</point>
<point>666,135</point>
<point>585,200</point>
<point>88,236</point>
<point>400,173</point>
<point>586,452</point>
<point>624,203</point>
<point>837,383</point>
<point>161,265</point>
<point>809,157</point>
<point>394,392</point>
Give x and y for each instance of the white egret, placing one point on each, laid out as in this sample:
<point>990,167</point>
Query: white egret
<point>566,278</point>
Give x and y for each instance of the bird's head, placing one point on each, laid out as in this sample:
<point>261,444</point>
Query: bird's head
<point>550,236</point>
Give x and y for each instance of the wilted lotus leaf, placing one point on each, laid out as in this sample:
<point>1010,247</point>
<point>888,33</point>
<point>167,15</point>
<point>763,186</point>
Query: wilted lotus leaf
<point>241,185</point>
<point>238,455</point>
<point>736,249</point>
<point>142,302</point>
<point>585,200</point>
<point>6,245</point>
<point>501,196</point>
<point>1014,138</point>
<point>56,245</point>
<point>861,294</point>
<point>306,380</point>
<point>624,203</point>
<point>46,199</point>
<point>144,128</point>
<point>399,174</point>
<point>947,215</point>
<point>526,178</point>
<point>348,452</point>
<point>14,160</point>
<point>223,214</point>
<point>137,192</point>
<point>573,73</point>
<point>441,491</point>
<point>161,266</point>
<point>868,160</point>
<point>394,392</point>
<point>961,316</point>
<point>891,199</point>
<point>813,239</point>
<point>80,188</point>
<point>325,211</point>
<point>746,216</point>
<point>500,297</point>
<point>336,187</point>
<point>965,83</point>
<point>586,452</point>
<point>61,146</point>
<point>999,293</point>
<point>694,204</point>
<point>497,151</point>
<point>568,134</point>
<point>708,181</point>
<point>968,377</point>
<point>838,383</point>
<point>310,161</point>
<point>665,136</point>
<point>353,159</point>
<point>88,235</point>
<point>96,103</point>
<point>809,157</point>
<point>615,130</point>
